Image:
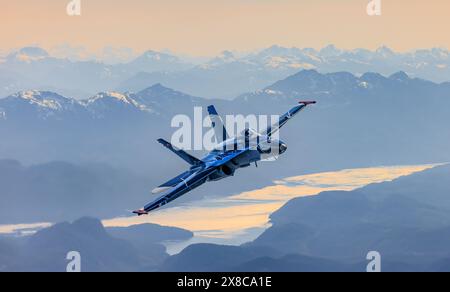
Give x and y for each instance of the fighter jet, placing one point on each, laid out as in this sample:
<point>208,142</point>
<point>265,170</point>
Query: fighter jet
<point>229,155</point>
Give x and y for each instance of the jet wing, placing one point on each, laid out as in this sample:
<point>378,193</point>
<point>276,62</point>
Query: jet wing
<point>193,181</point>
<point>188,181</point>
<point>173,182</point>
<point>286,117</point>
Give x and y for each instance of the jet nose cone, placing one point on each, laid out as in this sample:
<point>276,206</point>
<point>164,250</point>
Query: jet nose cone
<point>283,148</point>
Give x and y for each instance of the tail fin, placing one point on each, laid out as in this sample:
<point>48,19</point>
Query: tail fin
<point>182,154</point>
<point>217,124</point>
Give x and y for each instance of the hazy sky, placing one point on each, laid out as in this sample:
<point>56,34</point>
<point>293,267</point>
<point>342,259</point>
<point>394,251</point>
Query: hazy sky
<point>206,27</point>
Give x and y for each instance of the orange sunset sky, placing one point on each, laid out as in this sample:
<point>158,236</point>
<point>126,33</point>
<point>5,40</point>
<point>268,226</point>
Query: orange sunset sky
<point>206,27</point>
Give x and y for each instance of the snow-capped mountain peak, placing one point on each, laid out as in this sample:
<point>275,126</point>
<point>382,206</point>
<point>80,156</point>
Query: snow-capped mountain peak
<point>330,51</point>
<point>40,104</point>
<point>43,99</point>
<point>224,57</point>
<point>112,96</point>
<point>109,94</point>
<point>290,59</point>
<point>152,55</point>
<point>151,61</point>
<point>157,56</point>
<point>227,56</point>
<point>106,101</point>
<point>384,52</point>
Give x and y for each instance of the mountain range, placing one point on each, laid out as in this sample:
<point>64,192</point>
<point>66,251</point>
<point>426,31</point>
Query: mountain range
<point>224,76</point>
<point>33,67</point>
<point>366,120</point>
<point>363,121</point>
<point>85,138</point>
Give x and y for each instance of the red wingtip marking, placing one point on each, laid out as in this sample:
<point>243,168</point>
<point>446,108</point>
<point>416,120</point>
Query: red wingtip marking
<point>140,212</point>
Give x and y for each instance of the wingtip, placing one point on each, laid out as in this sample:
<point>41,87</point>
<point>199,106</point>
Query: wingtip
<point>308,102</point>
<point>140,212</point>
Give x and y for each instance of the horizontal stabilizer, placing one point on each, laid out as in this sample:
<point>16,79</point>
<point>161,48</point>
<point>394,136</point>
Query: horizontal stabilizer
<point>182,154</point>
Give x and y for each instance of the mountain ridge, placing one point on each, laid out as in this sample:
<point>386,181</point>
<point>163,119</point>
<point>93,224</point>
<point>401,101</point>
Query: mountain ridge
<point>224,76</point>
<point>358,121</point>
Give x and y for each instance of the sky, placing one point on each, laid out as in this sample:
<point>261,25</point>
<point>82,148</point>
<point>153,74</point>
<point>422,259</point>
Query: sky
<point>207,27</point>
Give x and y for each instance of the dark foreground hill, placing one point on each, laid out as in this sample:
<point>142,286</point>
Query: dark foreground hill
<point>407,221</point>
<point>111,250</point>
